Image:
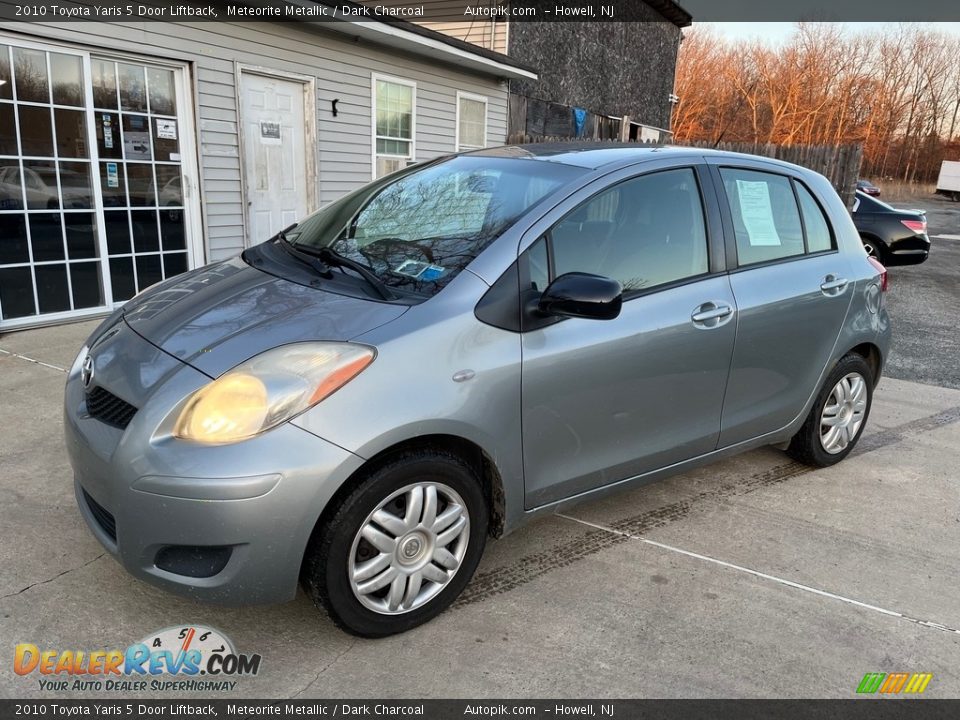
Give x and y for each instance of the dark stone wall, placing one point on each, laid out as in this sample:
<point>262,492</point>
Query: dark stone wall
<point>609,68</point>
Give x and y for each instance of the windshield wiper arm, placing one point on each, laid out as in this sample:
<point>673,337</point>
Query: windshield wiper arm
<point>310,259</point>
<point>332,257</point>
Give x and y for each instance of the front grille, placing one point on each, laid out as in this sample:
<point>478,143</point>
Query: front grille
<point>108,408</point>
<point>103,516</point>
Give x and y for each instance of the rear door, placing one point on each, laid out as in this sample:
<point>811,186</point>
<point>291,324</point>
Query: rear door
<point>603,401</point>
<point>793,289</point>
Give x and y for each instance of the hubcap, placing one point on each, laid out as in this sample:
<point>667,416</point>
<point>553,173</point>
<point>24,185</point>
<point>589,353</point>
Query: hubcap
<point>843,413</point>
<point>409,548</point>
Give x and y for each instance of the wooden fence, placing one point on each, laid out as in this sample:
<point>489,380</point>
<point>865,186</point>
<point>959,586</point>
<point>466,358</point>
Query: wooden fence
<point>840,164</point>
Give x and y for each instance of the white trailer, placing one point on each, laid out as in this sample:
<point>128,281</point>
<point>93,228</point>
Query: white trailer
<point>949,181</point>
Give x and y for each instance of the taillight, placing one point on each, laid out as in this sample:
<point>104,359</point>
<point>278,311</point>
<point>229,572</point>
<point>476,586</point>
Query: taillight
<point>884,280</point>
<point>917,226</point>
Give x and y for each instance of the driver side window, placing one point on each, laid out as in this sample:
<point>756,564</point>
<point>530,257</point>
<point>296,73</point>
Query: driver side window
<point>644,232</point>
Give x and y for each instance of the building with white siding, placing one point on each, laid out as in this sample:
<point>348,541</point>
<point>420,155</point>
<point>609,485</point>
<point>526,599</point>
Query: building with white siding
<point>131,152</point>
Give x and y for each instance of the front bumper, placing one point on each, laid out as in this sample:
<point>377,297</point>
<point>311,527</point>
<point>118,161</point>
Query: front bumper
<point>254,503</point>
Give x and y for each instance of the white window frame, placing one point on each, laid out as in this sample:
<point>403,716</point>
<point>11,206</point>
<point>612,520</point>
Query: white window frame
<point>486,118</point>
<point>374,78</point>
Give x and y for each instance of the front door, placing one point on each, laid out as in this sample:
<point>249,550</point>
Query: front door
<point>603,401</point>
<point>275,149</point>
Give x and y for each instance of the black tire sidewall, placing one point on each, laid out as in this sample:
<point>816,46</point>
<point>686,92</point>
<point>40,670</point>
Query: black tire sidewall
<point>848,364</point>
<point>877,248</point>
<point>328,575</point>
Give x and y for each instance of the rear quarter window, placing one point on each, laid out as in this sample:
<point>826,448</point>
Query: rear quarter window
<point>819,235</point>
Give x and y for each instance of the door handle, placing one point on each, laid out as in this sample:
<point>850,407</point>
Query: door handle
<point>705,314</point>
<point>833,285</point>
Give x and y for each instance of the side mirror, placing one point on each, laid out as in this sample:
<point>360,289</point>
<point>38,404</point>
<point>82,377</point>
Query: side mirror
<point>582,295</point>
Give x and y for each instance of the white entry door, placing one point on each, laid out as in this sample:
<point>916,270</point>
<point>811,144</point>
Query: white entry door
<point>276,154</point>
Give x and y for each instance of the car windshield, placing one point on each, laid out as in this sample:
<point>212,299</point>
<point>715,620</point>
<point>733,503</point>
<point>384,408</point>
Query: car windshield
<point>871,203</point>
<point>418,228</point>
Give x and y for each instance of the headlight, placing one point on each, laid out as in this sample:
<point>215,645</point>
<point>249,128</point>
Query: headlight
<point>269,389</point>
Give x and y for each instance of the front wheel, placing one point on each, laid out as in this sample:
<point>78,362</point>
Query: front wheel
<point>838,416</point>
<point>401,547</point>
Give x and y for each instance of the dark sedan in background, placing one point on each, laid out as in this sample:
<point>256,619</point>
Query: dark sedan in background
<point>868,187</point>
<point>892,236</point>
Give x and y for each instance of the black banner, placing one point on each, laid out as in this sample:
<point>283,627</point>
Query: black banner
<point>681,13</point>
<point>867,709</point>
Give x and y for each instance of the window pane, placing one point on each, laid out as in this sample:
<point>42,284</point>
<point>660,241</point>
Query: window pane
<point>472,123</point>
<point>393,147</point>
<point>643,232</point>
<point>6,79</point>
<point>104,84</point>
<point>166,139</point>
<point>8,130</point>
<point>539,266</point>
<point>386,165</point>
<point>394,110</point>
<point>132,88</point>
<point>174,264</point>
<point>140,185</point>
<point>819,237</point>
<point>52,291</point>
<point>113,185</point>
<point>168,180</point>
<point>75,185</point>
<point>145,237</point>
<point>117,226</point>
<point>46,236</point>
<point>16,292</point>
<point>136,137</point>
<point>40,178</point>
<point>81,235</point>
<point>36,131</point>
<point>171,229</point>
<point>13,239</point>
<point>30,71</point>
<point>162,98</point>
<point>149,271</point>
<point>66,75</point>
<point>71,133</point>
<point>121,279</point>
<point>107,127</point>
<point>765,215</point>
<point>85,279</point>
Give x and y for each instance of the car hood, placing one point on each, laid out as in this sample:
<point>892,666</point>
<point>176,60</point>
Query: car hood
<point>218,316</point>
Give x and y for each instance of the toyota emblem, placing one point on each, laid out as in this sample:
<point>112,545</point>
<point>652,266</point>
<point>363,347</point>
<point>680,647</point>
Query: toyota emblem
<point>86,372</point>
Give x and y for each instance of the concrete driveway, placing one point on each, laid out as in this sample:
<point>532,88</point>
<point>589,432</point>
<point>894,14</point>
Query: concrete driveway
<point>753,577</point>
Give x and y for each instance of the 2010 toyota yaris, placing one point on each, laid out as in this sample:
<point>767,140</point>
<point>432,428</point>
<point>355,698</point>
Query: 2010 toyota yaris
<point>451,350</point>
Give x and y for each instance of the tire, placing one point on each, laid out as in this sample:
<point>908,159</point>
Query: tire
<point>811,445</point>
<point>338,549</point>
<point>873,249</point>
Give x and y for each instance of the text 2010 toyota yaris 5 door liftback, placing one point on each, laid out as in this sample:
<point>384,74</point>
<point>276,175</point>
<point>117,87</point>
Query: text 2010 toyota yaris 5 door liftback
<point>451,350</point>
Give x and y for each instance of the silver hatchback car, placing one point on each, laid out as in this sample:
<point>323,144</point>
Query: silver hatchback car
<point>360,401</point>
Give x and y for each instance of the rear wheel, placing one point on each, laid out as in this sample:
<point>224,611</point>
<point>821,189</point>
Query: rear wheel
<point>873,249</point>
<point>838,416</point>
<point>401,547</point>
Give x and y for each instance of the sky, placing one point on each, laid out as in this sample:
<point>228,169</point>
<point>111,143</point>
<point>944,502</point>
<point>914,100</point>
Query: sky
<point>776,32</point>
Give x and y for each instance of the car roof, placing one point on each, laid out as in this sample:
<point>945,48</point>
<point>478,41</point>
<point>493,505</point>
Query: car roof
<point>593,155</point>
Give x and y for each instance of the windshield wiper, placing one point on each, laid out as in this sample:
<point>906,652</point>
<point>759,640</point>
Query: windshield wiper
<point>331,257</point>
<point>309,259</point>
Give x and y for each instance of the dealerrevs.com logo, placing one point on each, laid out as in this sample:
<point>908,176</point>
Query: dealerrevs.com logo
<point>190,658</point>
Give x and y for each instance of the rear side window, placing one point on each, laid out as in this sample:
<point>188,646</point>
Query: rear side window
<point>766,219</point>
<point>819,237</point>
